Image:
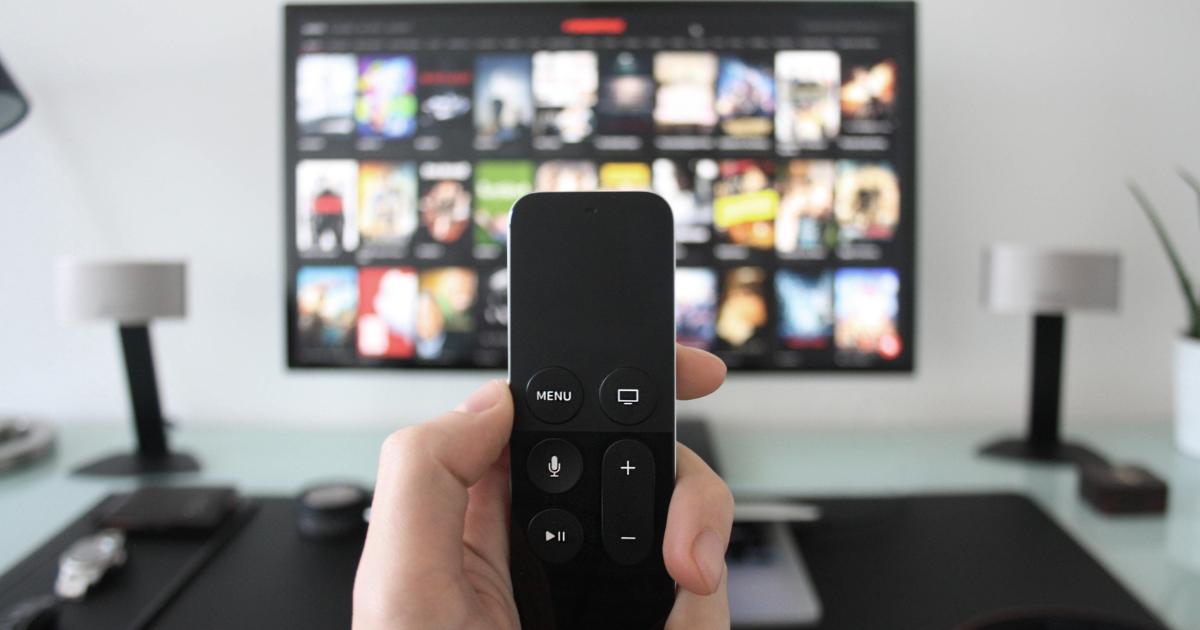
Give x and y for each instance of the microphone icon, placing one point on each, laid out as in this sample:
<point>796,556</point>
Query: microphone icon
<point>554,467</point>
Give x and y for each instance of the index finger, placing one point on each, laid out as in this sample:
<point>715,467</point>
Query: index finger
<point>698,373</point>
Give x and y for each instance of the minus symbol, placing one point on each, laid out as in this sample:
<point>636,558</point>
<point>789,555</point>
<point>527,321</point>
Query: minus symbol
<point>629,538</point>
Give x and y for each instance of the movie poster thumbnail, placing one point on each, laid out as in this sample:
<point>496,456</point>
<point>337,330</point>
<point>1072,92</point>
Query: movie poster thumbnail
<point>696,306</point>
<point>805,316</point>
<point>685,100</point>
<point>625,176</point>
<point>326,202</point>
<point>808,115</point>
<point>687,186</point>
<point>326,308</point>
<point>387,312</point>
<point>866,201</point>
<point>445,207</point>
<point>743,314</point>
<point>495,299</point>
<point>867,303</point>
<point>869,95</point>
<point>492,339</point>
<point>325,90</point>
<point>387,97</point>
<point>444,114</point>
<point>498,185</point>
<point>503,100</point>
<point>745,203</point>
<point>804,226</point>
<point>566,176</point>
<point>745,97</point>
<point>445,323</point>
<point>565,83</point>
<point>387,219</point>
<point>626,100</point>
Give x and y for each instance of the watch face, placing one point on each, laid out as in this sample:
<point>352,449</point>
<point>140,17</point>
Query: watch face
<point>89,554</point>
<point>95,550</point>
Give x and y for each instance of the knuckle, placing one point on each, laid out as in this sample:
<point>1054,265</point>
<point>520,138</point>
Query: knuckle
<point>726,496</point>
<point>401,444</point>
<point>718,495</point>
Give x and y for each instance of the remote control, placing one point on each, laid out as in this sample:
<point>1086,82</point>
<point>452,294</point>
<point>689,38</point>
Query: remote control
<point>592,370</point>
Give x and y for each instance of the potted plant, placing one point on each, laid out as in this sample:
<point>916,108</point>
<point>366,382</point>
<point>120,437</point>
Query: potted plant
<point>1187,347</point>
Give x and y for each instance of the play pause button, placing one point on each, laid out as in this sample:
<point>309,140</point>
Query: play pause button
<point>555,535</point>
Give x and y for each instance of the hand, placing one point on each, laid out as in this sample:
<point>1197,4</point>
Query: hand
<point>436,554</point>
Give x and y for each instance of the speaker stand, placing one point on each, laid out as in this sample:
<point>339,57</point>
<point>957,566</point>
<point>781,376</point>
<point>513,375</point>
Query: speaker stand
<point>1042,442</point>
<point>153,455</point>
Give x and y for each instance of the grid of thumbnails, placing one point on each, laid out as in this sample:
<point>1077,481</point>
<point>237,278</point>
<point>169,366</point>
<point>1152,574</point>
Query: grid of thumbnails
<point>779,166</point>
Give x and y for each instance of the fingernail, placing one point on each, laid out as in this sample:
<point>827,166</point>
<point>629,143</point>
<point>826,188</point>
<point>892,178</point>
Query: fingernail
<point>481,399</point>
<point>708,552</point>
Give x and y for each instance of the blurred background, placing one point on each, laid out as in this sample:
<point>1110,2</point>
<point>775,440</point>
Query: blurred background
<point>156,131</point>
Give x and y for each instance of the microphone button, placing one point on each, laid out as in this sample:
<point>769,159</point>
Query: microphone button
<point>554,465</point>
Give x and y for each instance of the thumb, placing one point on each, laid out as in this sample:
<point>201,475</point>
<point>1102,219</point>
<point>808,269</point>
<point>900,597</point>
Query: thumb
<point>416,531</point>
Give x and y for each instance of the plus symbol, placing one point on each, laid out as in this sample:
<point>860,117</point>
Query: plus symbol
<point>628,468</point>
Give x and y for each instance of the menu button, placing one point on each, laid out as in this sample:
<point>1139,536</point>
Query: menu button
<point>554,395</point>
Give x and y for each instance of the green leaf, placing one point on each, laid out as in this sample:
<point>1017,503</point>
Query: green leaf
<point>1191,181</point>
<point>1185,282</point>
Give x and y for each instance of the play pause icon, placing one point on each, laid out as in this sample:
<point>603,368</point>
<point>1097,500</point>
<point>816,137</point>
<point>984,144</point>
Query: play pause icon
<point>559,536</point>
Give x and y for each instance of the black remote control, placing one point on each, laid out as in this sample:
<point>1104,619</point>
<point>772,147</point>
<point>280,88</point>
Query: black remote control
<point>592,370</point>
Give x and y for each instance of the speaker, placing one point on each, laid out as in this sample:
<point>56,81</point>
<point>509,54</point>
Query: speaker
<point>1047,284</point>
<point>132,293</point>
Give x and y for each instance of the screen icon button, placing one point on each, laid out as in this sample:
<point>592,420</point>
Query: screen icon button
<point>627,395</point>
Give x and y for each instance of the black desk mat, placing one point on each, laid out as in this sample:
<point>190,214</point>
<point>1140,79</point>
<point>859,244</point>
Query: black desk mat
<point>937,561</point>
<point>920,562</point>
<point>157,570</point>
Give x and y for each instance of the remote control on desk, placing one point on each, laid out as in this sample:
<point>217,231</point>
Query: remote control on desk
<point>592,372</point>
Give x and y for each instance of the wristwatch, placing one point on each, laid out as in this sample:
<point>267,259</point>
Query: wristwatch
<point>86,561</point>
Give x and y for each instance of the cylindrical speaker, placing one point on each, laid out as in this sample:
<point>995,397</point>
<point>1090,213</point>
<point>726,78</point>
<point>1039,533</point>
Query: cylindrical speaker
<point>1020,279</point>
<point>127,292</point>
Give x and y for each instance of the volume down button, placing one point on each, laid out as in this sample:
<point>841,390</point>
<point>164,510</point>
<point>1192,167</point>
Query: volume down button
<point>627,501</point>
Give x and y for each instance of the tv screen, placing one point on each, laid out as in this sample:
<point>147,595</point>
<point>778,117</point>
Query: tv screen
<point>781,134</point>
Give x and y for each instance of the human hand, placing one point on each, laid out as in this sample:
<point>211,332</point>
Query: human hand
<point>437,553</point>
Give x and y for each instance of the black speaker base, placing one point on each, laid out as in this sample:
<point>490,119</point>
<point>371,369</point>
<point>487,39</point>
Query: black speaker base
<point>132,464</point>
<point>1059,453</point>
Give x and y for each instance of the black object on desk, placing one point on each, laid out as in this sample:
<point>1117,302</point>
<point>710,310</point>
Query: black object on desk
<point>1123,489</point>
<point>333,510</point>
<point>172,510</point>
<point>895,563</point>
<point>939,561</point>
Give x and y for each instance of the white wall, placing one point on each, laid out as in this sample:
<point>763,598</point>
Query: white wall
<point>155,132</point>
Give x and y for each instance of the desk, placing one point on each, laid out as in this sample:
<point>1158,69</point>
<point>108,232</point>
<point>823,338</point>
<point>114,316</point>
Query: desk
<point>1156,558</point>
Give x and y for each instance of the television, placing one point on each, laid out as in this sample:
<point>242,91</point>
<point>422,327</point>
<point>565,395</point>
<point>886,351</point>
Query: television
<point>781,133</point>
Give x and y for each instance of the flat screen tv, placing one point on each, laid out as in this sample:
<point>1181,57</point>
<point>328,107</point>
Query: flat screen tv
<point>781,133</point>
